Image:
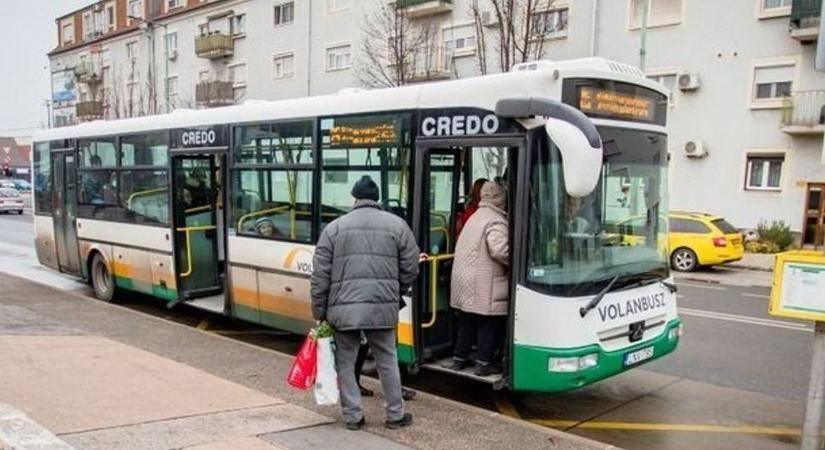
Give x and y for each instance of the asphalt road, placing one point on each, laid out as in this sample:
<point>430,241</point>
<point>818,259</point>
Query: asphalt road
<point>738,380</point>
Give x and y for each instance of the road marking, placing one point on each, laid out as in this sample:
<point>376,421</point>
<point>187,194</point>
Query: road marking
<point>762,296</point>
<point>746,319</point>
<point>17,430</point>
<point>702,286</point>
<point>651,426</point>
<point>505,406</point>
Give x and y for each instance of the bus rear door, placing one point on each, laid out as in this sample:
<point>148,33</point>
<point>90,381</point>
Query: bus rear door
<point>65,210</point>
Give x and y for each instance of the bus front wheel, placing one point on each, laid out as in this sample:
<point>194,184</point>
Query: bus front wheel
<point>102,280</point>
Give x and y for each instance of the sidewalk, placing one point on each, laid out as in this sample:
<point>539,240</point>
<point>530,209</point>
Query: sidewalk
<point>98,376</point>
<point>752,270</point>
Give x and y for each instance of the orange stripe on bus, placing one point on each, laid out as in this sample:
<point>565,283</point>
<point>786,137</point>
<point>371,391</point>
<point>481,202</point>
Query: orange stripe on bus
<point>405,333</point>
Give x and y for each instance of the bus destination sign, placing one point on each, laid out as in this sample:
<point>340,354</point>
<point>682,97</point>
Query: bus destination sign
<point>363,134</point>
<point>609,103</point>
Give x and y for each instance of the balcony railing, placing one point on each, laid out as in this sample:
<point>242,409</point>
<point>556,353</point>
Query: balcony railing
<point>424,8</point>
<point>89,110</point>
<point>802,112</point>
<point>429,64</point>
<point>214,45</point>
<point>85,72</point>
<point>805,19</point>
<point>214,93</point>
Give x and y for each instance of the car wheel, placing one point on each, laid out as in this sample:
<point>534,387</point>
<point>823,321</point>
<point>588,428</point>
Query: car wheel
<point>102,280</point>
<point>684,260</point>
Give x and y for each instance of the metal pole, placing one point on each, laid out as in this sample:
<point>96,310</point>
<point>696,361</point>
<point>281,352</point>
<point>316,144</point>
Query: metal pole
<point>643,44</point>
<point>166,67</point>
<point>819,62</point>
<point>812,430</point>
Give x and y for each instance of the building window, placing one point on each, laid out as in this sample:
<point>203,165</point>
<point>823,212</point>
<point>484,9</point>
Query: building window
<point>172,4</point>
<point>88,26</point>
<point>237,75</point>
<point>550,24</point>
<point>667,80</point>
<point>105,58</point>
<point>772,82</point>
<point>764,172</point>
<point>284,13</point>
<point>67,32</point>
<point>283,66</point>
<point>239,25</point>
<point>334,6</point>
<point>172,44</point>
<point>172,87</point>
<point>110,17</point>
<point>132,50</point>
<point>660,13</point>
<point>136,8</point>
<point>774,8</point>
<point>339,58</point>
<point>459,40</point>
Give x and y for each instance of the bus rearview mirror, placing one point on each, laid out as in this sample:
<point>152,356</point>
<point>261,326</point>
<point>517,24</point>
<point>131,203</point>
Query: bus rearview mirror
<point>581,162</point>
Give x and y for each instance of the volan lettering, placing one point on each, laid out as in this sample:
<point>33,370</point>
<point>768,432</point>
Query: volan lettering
<point>632,307</point>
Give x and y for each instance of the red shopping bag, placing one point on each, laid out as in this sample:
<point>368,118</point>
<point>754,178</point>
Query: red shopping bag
<point>304,367</point>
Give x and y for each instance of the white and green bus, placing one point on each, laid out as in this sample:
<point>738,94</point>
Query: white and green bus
<point>220,208</point>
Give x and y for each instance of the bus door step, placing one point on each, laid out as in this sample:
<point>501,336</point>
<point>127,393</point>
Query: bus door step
<point>442,366</point>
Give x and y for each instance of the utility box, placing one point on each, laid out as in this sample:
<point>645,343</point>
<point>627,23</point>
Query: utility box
<point>798,289</point>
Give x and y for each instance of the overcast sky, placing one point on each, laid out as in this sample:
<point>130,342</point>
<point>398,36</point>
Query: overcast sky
<point>27,33</point>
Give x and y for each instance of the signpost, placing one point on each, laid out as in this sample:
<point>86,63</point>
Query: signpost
<point>799,292</point>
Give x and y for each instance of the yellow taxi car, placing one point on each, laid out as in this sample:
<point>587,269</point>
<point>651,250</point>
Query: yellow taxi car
<point>700,239</point>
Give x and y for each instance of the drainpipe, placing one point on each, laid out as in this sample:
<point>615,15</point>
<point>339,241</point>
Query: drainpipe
<point>309,49</point>
<point>594,27</point>
<point>643,45</point>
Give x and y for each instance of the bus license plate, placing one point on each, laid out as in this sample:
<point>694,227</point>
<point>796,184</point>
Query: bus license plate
<point>638,356</point>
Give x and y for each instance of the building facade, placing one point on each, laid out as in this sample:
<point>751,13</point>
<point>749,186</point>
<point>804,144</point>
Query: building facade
<point>746,136</point>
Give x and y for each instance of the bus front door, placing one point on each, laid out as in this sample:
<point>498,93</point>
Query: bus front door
<point>434,224</point>
<point>197,213</point>
<point>65,211</point>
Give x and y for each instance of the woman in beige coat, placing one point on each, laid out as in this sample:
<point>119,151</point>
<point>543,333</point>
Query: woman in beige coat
<point>480,287</point>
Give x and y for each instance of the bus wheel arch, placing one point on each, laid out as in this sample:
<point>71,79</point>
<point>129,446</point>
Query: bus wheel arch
<point>684,259</point>
<point>101,276</point>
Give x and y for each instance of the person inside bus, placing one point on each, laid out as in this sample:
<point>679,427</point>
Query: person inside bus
<point>470,207</point>
<point>574,220</point>
<point>266,228</point>
<point>480,283</point>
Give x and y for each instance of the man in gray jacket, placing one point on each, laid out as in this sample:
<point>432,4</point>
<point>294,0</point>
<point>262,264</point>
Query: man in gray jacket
<point>363,262</point>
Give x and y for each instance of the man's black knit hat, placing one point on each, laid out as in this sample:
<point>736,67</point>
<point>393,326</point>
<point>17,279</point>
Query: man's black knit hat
<point>365,189</point>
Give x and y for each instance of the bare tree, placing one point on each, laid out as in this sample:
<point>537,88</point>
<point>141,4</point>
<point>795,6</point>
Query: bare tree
<point>395,50</point>
<point>516,29</point>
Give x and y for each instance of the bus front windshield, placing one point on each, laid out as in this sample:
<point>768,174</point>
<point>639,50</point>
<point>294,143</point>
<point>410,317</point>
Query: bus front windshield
<point>577,246</point>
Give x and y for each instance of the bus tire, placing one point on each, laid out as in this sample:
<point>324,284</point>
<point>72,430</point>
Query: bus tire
<point>103,282</point>
<point>684,260</point>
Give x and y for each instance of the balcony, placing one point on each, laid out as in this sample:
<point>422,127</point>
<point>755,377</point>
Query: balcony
<point>425,8</point>
<point>214,93</point>
<point>802,113</point>
<point>89,110</point>
<point>85,72</point>
<point>805,20</point>
<point>214,45</point>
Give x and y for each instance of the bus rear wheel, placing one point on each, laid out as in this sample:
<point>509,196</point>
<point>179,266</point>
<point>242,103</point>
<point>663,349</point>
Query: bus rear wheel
<point>102,280</point>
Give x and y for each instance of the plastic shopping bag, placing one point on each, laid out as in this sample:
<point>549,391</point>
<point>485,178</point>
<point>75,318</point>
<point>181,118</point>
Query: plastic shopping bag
<point>304,366</point>
<point>326,383</point>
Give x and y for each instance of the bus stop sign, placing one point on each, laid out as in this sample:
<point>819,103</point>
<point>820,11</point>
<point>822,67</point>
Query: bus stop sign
<point>799,285</point>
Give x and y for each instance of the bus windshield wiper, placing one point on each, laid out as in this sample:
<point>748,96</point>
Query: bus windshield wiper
<point>670,286</point>
<point>598,298</point>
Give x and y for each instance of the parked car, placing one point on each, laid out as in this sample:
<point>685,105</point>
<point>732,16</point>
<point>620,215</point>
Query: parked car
<point>22,185</point>
<point>7,184</point>
<point>699,239</point>
<point>10,201</point>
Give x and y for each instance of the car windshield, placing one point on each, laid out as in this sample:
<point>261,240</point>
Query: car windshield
<point>9,193</point>
<point>578,245</point>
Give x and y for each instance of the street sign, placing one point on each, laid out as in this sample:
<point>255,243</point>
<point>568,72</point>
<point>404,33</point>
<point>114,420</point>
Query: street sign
<point>798,285</point>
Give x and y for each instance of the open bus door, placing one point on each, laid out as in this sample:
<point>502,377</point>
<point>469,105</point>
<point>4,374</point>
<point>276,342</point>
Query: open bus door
<point>446,170</point>
<point>65,210</point>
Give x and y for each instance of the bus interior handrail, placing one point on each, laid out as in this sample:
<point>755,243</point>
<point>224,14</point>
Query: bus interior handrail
<point>434,260</point>
<point>188,231</point>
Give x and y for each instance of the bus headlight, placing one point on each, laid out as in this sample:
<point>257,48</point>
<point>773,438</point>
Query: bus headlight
<point>675,333</point>
<point>573,364</point>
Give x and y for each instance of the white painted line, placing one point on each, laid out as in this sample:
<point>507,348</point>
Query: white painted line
<point>746,319</point>
<point>702,286</point>
<point>18,431</point>
<point>762,296</point>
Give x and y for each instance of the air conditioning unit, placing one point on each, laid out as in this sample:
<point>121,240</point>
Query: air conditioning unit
<point>489,19</point>
<point>688,81</point>
<point>696,148</point>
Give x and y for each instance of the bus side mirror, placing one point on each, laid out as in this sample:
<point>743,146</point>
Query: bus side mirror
<point>581,162</point>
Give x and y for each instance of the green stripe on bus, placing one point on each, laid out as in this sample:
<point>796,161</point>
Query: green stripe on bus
<point>530,364</point>
<point>156,290</point>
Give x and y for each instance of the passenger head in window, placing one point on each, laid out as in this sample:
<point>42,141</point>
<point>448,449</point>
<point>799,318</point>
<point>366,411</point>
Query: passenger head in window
<point>471,206</point>
<point>265,228</point>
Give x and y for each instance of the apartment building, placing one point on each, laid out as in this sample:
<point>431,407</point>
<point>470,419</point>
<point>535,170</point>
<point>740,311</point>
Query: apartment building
<point>746,136</point>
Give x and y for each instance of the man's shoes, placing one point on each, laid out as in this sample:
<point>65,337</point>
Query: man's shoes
<point>405,421</point>
<point>408,394</point>
<point>366,392</point>
<point>458,364</point>
<point>485,370</point>
<point>355,426</point>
